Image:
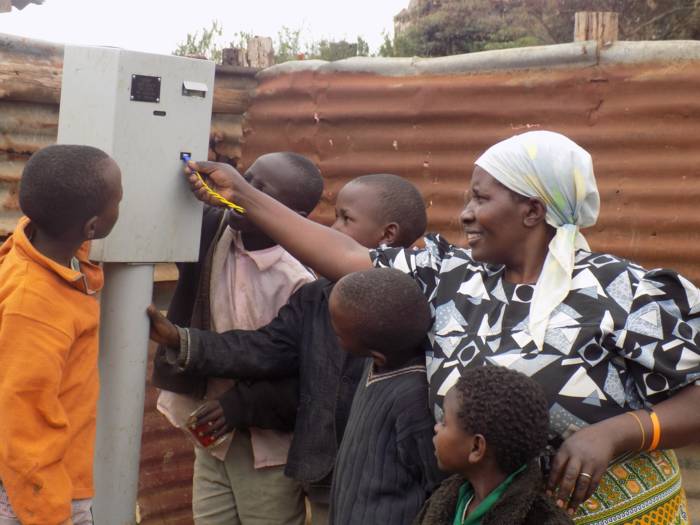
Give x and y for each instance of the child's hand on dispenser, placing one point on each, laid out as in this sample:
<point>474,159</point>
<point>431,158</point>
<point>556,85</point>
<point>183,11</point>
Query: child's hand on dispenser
<point>162,331</point>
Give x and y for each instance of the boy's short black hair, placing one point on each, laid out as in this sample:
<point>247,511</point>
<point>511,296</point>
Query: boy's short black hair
<point>508,408</point>
<point>391,313</point>
<point>306,191</point>
<point>63,186</point>
<point>401,202</point>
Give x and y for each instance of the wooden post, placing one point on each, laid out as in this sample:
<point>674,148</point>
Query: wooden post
<point>234,56</point>
<point>600,26</point>
<point>260,52</point>
<point>5,6</point>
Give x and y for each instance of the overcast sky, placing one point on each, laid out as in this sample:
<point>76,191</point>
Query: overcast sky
<point>159,25</point>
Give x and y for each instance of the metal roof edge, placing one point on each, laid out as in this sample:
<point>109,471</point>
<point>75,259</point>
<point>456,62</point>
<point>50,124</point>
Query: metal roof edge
<point>582,54</point>
<point>650,51</point>
<point>238,70</point>
<point>42,48</point>
<point>30,46</point>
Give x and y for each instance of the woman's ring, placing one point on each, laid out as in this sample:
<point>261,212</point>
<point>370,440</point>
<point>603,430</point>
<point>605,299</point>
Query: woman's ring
<point>585,475</point>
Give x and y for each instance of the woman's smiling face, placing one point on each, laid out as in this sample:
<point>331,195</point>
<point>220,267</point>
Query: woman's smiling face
<point>493,219</point>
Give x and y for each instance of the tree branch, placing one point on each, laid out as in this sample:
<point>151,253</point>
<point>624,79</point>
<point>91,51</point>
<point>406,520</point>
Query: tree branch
<point>660,16</point>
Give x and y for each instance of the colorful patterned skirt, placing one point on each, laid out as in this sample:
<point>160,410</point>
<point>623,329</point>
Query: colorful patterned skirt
<point>642,489</point>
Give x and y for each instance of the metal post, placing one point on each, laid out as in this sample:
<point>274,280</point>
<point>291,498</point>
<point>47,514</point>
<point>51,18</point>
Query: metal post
<point>123,359</point>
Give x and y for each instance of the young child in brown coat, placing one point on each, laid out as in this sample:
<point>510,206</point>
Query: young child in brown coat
<point>494,428</point>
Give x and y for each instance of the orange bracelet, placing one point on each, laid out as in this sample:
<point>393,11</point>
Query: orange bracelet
<point>656,426</point>
<point>641,427</point>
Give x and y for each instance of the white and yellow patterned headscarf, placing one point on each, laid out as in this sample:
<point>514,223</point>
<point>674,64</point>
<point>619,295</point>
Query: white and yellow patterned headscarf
<point>559,172</point>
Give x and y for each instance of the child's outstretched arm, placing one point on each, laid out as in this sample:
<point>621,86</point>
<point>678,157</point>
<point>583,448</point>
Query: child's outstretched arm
<point>328,252</point>
<point>34,428</point>
<point>269,352</point>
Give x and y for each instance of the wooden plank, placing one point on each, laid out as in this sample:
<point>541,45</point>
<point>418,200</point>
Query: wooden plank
<point>596,25</point>
<point>231,100</point>
<point>260,52</point>
<point>233,56</point>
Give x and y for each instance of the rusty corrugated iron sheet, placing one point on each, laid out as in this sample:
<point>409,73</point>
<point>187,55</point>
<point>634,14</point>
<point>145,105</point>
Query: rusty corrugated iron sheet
<point>30,83</point>
<point>635,108</point>
<point>29,86</point>
<point>167,458</point>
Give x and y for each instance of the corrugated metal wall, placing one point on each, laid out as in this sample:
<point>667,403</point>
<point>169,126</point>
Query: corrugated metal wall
<point>29,87</point>
<point>30,83</point>
<point>641,123</point>
<point>165,479</point>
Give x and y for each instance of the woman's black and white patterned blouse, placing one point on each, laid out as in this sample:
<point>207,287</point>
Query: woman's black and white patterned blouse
<point>623,338</point>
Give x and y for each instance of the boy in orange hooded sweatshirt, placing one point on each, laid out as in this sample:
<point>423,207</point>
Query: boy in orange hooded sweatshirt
<point>49,318</point>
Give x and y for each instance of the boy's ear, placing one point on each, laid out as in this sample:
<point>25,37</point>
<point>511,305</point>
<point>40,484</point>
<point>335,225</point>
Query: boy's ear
<point>379,358</point>
<point>391,234</point>
<point>535,213</point>
<point>90,228</point>
<point>478,449</point>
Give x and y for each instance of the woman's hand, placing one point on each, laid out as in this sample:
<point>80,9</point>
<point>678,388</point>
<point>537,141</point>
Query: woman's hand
<point>579,464</point>
<point>590,450</point>
<point>162,331</point>
<point>220,177</point>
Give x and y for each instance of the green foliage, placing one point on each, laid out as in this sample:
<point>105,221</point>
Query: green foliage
<point>524,41</point>
<point>463,26</point>
<point>401,45</point>
<point>638,19</point>
<point>451,27</point>
<point>207,44</point>
<point>362,47</point>
<point>466,26</point>
<point>330,50</point>
<point>240,39</point>
<point>289,45</point>
<point>203,45</point>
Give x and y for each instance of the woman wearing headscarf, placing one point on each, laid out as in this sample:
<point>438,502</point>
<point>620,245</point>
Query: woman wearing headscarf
<point>616,348</point>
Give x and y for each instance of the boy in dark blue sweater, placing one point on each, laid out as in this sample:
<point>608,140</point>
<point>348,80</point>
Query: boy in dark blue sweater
<point>386,465</point>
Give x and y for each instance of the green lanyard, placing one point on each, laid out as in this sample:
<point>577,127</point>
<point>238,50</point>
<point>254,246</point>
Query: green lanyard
<point>466,494</point>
